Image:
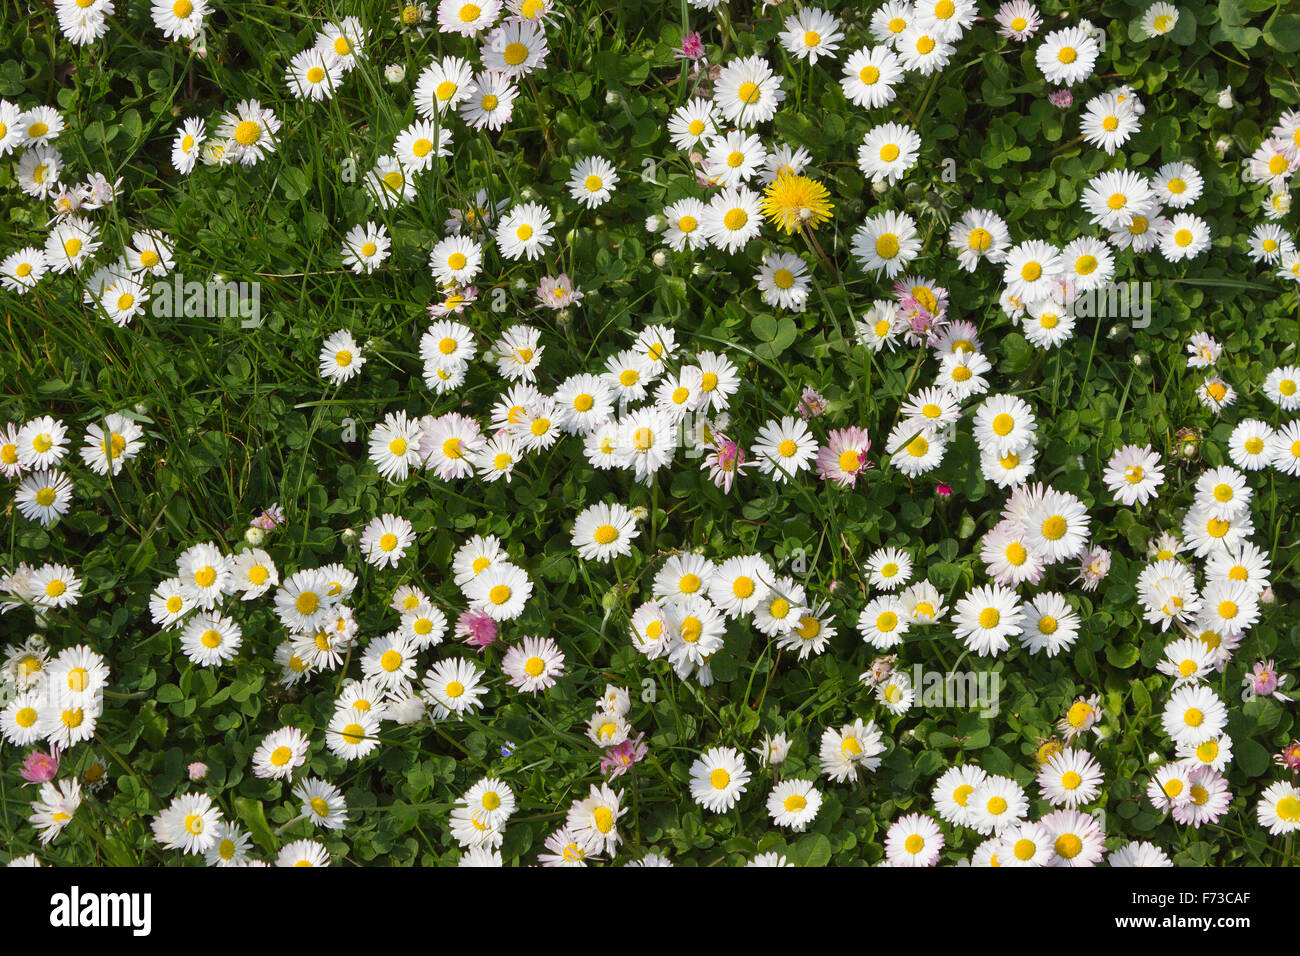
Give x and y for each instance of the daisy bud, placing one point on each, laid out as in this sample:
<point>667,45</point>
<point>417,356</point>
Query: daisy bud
<point>394,73</point>
<point>527,194</point>
<point>1139,359</point>
<point>1188,450</point>
<point>612,98</point>
<point>640,513</point>
<point>660,258</point>
<point>701,271</point>
<point>610,600</point>
<point>878,187</point>
<point>198,770</point>
<point>653,223</point>
<point>564,318</point>
<point>1225,98</point>
<point>1222,144</point>
<point>1267,596</point>
<point>142,409</point>
<point>521,285</point>
<point>348,535</point>
<point>254,536</point>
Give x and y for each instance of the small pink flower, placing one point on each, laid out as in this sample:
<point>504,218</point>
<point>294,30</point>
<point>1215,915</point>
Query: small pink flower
<point>197,770</point>
<point>558,292</point>
<point>724,462</point>
<point>943,489</point>
<point>619,759</point>
<point>1290,756</point>
<point>1093,568</point>
<point>1264,680</point>
<point>692,47</point>
<point>270,519</point>
<point>812,404</point>
<point>39,767</point>
<point>477,629</point>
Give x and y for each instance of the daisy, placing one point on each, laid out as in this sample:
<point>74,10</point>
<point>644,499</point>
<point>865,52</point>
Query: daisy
<point>211,640</point>
<point>783,281</point>
<point>322,803</point>
<point>1284,449</point>
<point>1115,199</point>
<point>189,823</point>
<point>491,102</point>
<point>229,846</point>
<point>251,130</point>
<point>1032,269</point>
<point>491,801</point>
<point>515,48</point>
<point>883,622</point>
<point>1159,19</point>
<point>718,778</point>
<point>1026,844</point>
<point>693,124</point>
<point>352,734</point>
<point>1282,386</point>
<point>980,235</point>
<point>417,146</point>
<point>1133,474</point>
<point>280,753</point>
<point>1108,121</point>
<point>794,804</point>
<point>1186,237</point>
<point>1067,56</point>
<point>467,19</point>
<point>1071,778</point>
<point>366,247</point>
<point>1178,184</point>
<point>501,591</point>
<point>844,457</point>
<point>747,92</point>
<point>592,180</point>
<point>453,687</point>
<point>1268,243</point>
<point>394,446</point>
<point>385,540</point>
<point>21,270</point>
<point>567,849</point>
<point>389,183</point>
<point>870,76</point>
<point>732,218</point>
<point>952,793</point>
<point>603,532</point>
<point>43,496</point>
<point>1018,20</point>
<point>1193,715</point>
<point>986,617</point>
<point>313,75</point>
<point>1278,809</point>
<point>594,821</point>
<point>853,746</point>
<point>995,804</point>
<point>896,693</point>
<point>784,449</point>
<point>921,50</point>
<point>961,374</point>
<point>888,151</point>
<point>303,853</point>
<point>1051,625</point>
<point>340,357</point>
<point>886,243</point>
<point>38,171</point>
<point>525,231</point>
<point>533,666</point>
<point>1139,854</point>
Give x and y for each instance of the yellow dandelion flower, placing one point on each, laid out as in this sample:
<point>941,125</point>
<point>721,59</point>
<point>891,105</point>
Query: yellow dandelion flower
<point>793,202</point>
